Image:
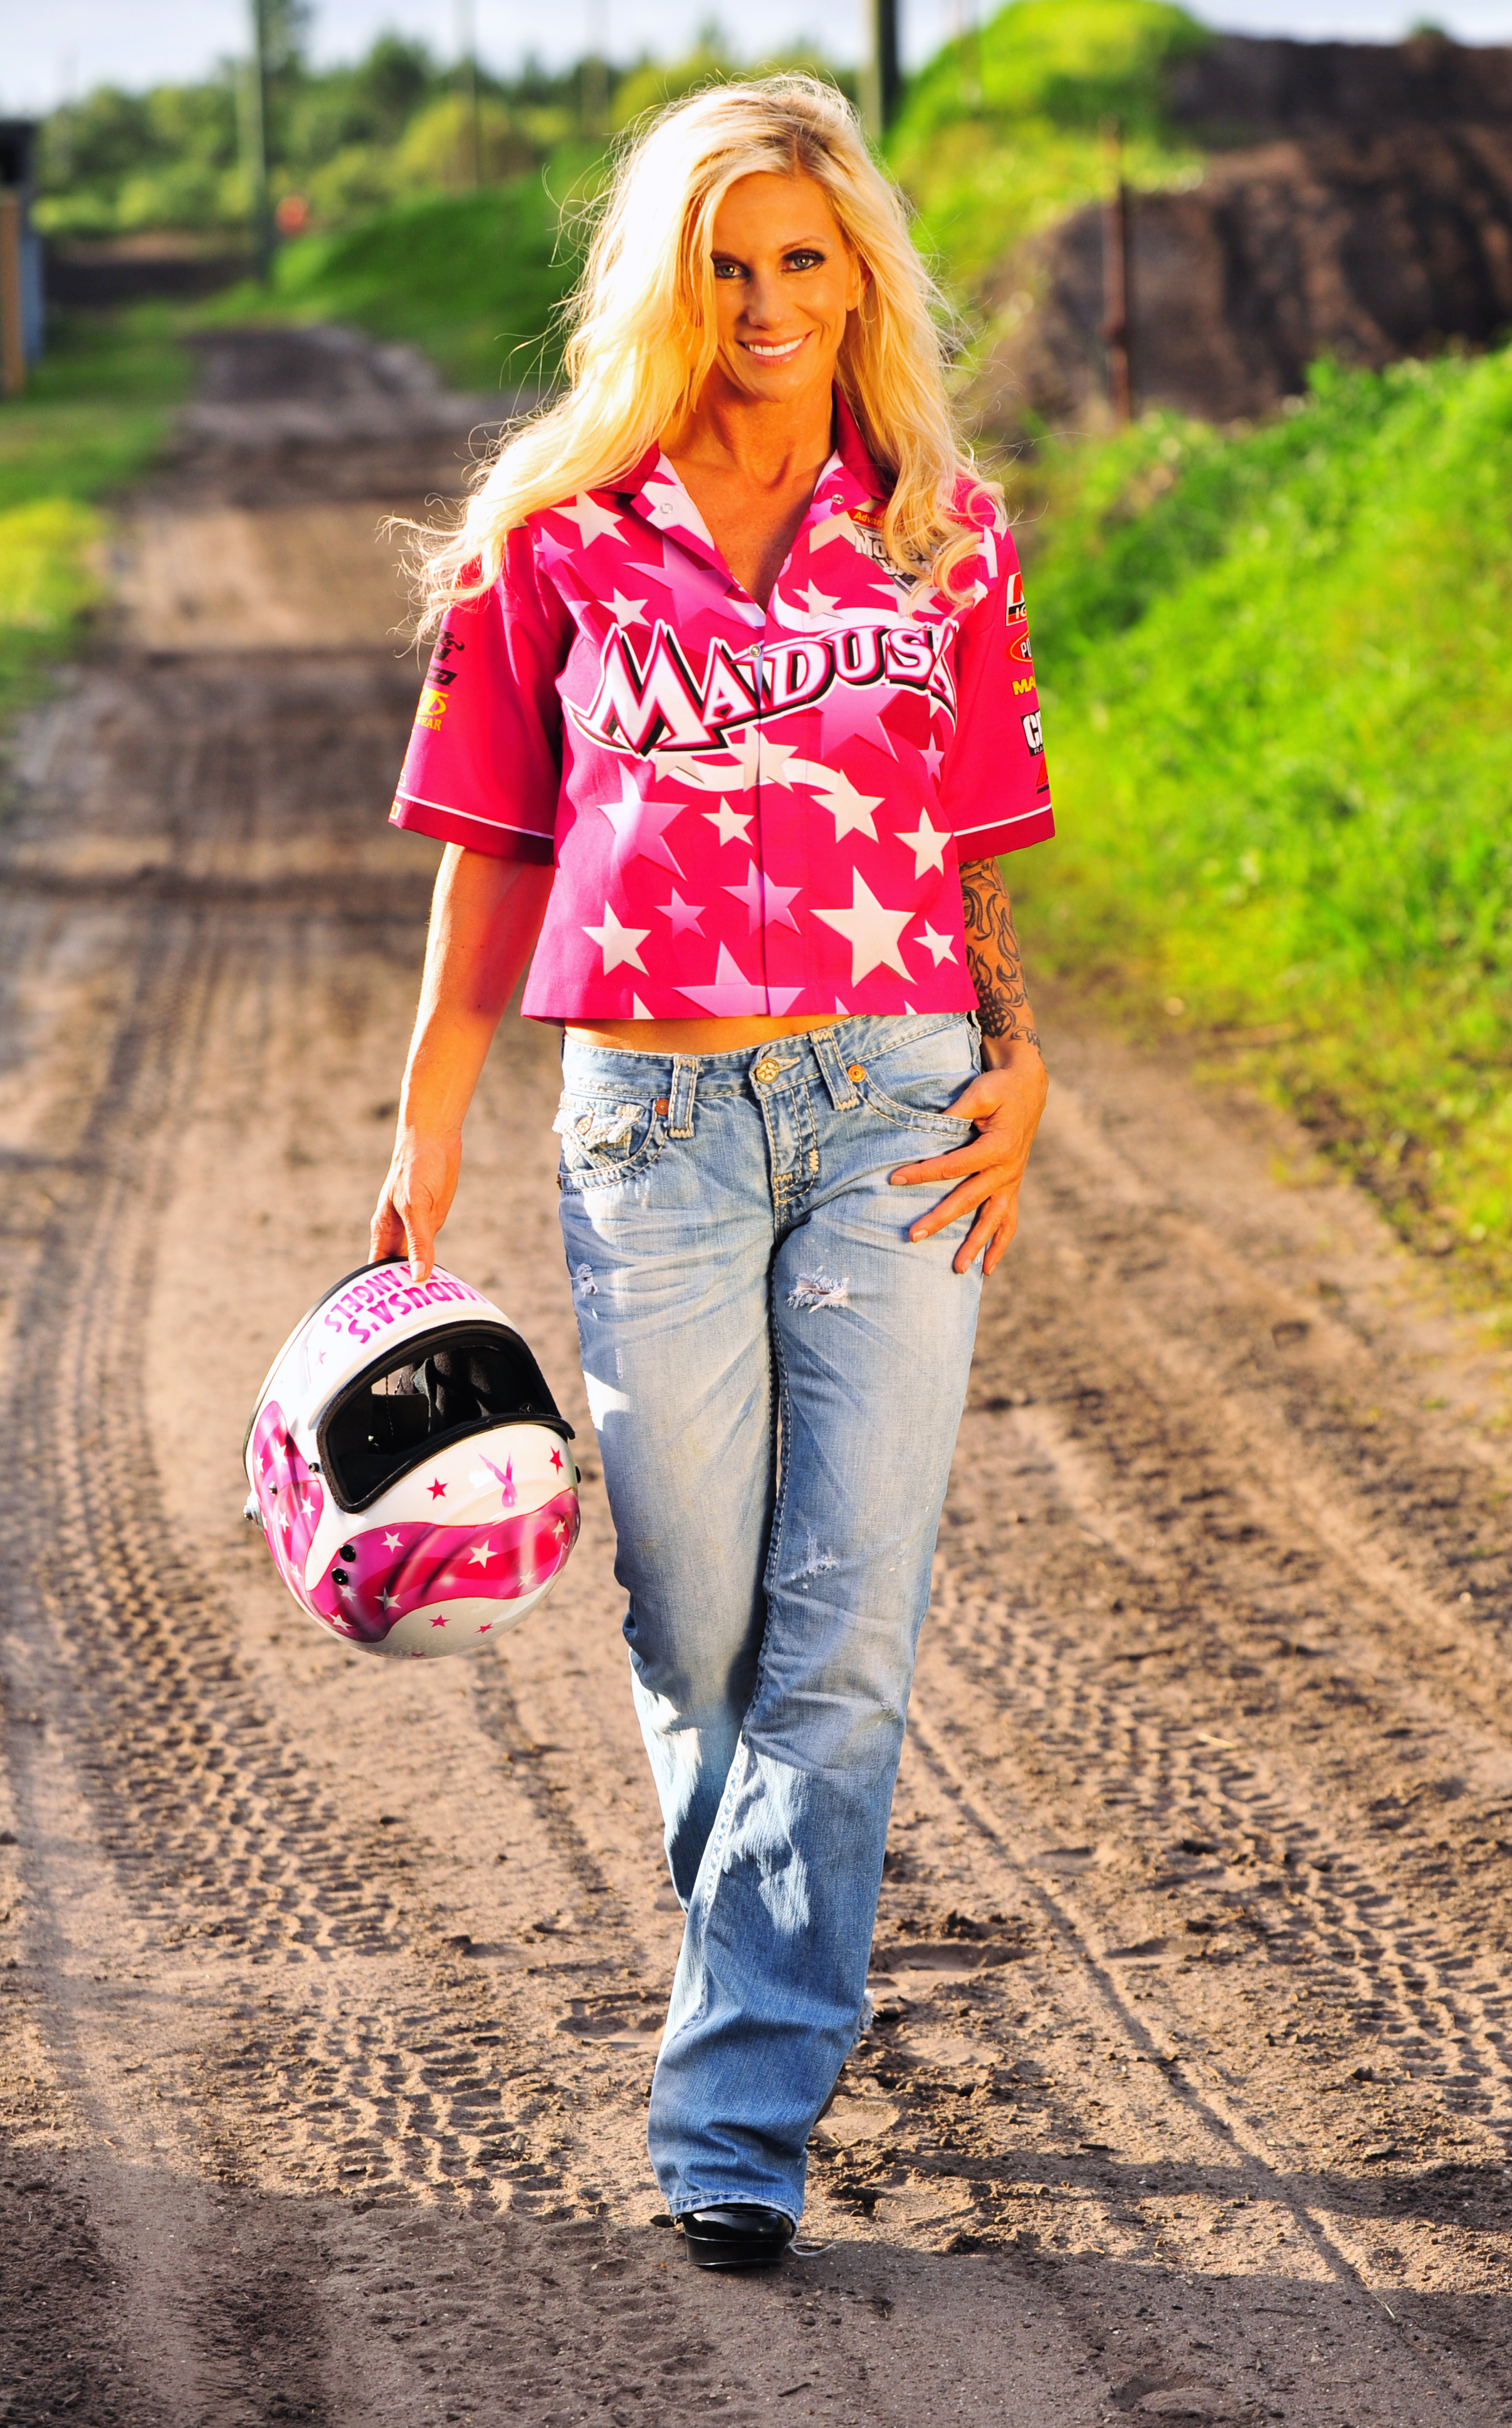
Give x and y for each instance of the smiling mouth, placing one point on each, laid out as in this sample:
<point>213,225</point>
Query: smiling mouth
<point>773,353</point>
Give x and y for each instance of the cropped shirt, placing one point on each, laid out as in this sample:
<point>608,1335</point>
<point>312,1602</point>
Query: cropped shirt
<point>749,810</point>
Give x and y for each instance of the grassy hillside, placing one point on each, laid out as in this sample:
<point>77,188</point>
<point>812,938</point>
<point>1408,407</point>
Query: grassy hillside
<point>473,279</point>
<point>96,413</point>
<point>1002,131</point>
<point>1279,709</point>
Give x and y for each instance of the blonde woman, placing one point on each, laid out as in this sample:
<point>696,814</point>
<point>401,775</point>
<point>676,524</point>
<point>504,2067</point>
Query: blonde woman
<point>730,714</point>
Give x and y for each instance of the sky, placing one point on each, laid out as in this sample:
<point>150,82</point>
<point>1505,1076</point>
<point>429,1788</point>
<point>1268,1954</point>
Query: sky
<point>49,53</point>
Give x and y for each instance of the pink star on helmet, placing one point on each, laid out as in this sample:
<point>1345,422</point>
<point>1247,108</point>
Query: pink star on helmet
<point>440,1620</point>
<point>556,1460</point>
<point>438,1490</point>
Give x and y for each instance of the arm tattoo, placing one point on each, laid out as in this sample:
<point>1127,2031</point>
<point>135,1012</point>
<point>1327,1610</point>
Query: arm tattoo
<point>993,956</point>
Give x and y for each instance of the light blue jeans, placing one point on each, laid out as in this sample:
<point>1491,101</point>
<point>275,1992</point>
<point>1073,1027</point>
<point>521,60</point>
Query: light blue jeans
<point>776,1374</point>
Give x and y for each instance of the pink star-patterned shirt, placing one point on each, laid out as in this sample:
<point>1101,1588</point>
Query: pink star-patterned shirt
<point>750,809</point>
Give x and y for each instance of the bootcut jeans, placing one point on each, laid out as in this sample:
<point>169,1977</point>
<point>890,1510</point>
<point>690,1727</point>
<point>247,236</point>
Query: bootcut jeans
<point>776,1373</point>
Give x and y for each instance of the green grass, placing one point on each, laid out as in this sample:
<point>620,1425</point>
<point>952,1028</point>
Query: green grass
<point>474,279</point>
<point>1003,130</point>
<point>96,413</point>
<point>1278,698</point>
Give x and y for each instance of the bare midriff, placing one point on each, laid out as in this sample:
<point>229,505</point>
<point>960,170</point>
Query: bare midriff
<point>694,1035</point>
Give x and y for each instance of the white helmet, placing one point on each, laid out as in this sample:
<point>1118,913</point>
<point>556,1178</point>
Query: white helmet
<point>409,1467</point>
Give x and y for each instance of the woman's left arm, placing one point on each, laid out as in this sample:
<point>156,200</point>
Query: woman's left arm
<point>1006,1102</point>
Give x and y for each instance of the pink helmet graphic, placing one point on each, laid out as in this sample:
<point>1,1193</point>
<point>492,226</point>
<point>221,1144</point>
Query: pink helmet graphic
<point>409,1467</point>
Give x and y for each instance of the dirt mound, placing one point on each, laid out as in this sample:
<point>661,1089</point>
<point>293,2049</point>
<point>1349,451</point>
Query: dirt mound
<point>1368,248</point>
<point>1360,206</point>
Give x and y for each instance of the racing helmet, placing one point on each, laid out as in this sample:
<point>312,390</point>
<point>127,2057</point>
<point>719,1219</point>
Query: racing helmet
<point>410,1472</point>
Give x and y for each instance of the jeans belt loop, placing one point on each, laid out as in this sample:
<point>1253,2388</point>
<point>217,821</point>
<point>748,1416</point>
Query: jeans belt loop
<point>837,1079</point>
<point>684,1081</point>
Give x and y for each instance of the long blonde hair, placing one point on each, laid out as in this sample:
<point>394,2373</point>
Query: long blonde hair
<point>643,334</point>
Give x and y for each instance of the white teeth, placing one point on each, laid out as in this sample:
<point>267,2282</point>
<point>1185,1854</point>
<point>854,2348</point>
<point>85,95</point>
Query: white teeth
<point>772,353</point>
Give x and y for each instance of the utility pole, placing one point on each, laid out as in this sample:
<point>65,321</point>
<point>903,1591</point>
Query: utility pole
<point>1117,297</point>
<point>255,119</point>
<point>882,78</point>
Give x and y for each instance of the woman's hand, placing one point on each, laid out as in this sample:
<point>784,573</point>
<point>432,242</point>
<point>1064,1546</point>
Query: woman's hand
<point>1005,1101</point>
<point>416,1199</point>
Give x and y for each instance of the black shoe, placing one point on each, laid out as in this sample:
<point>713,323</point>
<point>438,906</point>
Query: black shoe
<point>739,2236</point>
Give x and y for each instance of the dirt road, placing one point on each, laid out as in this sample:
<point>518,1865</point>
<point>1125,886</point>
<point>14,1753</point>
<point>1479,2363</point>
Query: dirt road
<point>330,1988</point>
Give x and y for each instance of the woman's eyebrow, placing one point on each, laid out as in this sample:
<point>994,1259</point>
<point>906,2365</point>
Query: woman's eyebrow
<point>793,245</point>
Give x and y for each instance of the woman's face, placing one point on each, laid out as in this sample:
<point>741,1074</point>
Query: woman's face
<point>784,280</point>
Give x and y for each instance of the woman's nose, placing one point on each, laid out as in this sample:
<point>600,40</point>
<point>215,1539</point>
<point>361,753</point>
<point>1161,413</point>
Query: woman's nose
<point>762,301</point>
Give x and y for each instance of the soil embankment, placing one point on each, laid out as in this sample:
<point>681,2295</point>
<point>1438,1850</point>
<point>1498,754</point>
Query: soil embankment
<point>331,1987</point>
<point>1358,204</point>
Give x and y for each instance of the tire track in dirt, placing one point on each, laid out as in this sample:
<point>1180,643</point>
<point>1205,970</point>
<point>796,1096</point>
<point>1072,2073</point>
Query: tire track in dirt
<point>218,1833</point>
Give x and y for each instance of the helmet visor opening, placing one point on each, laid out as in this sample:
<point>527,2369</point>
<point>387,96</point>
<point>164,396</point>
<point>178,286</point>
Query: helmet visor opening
<point>433,1391</point>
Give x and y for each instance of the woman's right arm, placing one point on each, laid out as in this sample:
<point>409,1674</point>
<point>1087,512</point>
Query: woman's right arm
<point>485,917</point>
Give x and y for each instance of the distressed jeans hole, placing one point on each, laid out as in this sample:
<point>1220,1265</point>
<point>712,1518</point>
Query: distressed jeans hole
<point>813,1290</point>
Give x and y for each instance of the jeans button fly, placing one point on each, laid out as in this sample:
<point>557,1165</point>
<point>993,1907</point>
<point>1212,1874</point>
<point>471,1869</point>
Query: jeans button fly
<point>765,1070</point>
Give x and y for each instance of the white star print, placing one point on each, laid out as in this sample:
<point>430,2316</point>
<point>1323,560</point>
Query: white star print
<point>765,904</point>
<point>639,826</point>
<point>479,1555</point>
<point>628,610</point>
<point>594,520</point>
<point>684,914</point>
<point>638,1009</point>
<point>391,1542</point>
<point>941,946</point>
<point>853,812</point>
<point>934,758</point>
<point>619,944</point>
<point>734,994</point>
<point>816,603</point>
<point>870,929</point>
<point>733,825</point>
<point>928,846</point>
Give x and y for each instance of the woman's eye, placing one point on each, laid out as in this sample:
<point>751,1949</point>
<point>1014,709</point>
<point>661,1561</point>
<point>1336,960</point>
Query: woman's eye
<point>729,269</point>
<point>803,260</point>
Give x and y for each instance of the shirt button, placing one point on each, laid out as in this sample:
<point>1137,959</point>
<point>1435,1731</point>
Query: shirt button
<point>767,1071</point>
<point>856,1071</point>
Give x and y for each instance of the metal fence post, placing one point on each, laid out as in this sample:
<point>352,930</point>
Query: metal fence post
<point>1117,296</point>
<point>12,299</point>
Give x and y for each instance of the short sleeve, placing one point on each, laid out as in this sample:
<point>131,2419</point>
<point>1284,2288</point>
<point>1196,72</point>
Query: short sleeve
<point>483,768</point>
<point>993,785</point>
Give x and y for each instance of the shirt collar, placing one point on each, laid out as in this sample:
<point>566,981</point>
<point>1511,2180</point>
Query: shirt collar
<point>851,476</point>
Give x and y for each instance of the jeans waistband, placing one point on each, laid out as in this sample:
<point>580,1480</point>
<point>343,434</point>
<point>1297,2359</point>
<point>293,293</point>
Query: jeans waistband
<point>821,1053</point>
